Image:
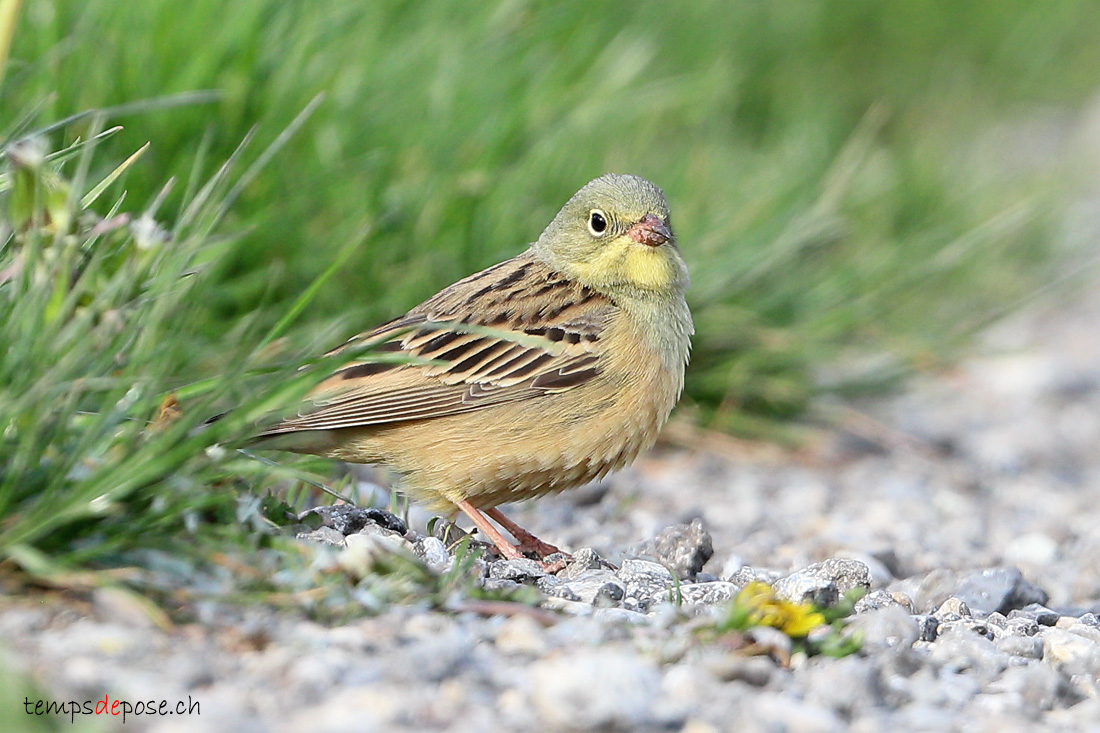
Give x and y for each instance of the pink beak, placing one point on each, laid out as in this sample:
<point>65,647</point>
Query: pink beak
<point>650,231</point>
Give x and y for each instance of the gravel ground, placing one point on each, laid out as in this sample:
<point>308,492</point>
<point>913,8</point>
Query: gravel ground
<point>968,506</point>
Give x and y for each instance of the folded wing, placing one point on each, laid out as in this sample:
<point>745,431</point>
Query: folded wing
<point>516,331</point>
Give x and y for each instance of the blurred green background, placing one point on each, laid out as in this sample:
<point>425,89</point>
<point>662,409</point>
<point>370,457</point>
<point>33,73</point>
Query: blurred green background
<point>857,186</point>
<point>828,162</point>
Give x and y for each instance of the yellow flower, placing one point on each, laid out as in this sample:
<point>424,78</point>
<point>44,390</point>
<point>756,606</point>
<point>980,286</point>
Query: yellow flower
<point>764,608</point>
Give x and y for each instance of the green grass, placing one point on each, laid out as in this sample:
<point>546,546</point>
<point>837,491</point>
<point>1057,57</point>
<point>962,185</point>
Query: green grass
<point>453,134</point>
<point>829,163</point>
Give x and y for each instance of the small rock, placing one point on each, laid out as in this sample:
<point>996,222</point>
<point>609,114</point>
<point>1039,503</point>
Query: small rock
<point>962,650</point>
<point>432,551</point>
<point>786,713</point>
<point>682,548</point>
<point>520,570</point>
<point>877,599</point>
<point>998,589</point>
<point>363,550</point>
<point>567,605</point>
<point>745,575</point>
<point>1037,685</point>
<point>937,586</point>
<point>504,585</point>
<point>591,584</point>
<point>889,626</point>
<point>977,626</point>
<point>770,640</point>
<point>1036,612</point>
<point>712,593</point>
<point>521,634</point>
<point>822,583</point>
<point>928,625</point>
<point>1021,627</point>
<point>322,535</point>
<point>953,608</point>
<point>1089,632</point>
<point>595,690</point>
<point>755,671</point>
<point>621,616</point>
<point>1089,619</point>
<point>583,559</point>
<point>645,582</point>
<point>433,657</point>
<point>553,586</point>
<point>1069,653</point>
<point>347,519</point>
<point>1085,686</point>
<point>843,685</point>
<point>1028,647</point>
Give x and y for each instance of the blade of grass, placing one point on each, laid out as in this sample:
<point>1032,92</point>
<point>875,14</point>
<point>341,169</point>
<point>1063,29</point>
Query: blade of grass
<point>100,187</point>
<point>9,18</point>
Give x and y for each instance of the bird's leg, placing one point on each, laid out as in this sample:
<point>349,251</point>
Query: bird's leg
<point>527,541</point>
<point>507,549</point>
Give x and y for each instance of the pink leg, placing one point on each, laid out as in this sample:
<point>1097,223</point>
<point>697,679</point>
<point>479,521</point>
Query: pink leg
<point>527,541</point>
<point>507,549</point>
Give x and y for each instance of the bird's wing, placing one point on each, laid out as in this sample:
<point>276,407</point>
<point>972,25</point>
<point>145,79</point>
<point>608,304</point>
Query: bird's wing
<point>557,325</point>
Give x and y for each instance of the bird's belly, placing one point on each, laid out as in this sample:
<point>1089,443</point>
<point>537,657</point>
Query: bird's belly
<point>518,451</point>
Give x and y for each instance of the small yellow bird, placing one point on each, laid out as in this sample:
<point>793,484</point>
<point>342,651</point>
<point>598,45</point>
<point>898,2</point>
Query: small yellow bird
<point>601,339</point>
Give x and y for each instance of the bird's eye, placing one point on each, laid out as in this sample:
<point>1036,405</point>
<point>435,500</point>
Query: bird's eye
<point>597,222</point>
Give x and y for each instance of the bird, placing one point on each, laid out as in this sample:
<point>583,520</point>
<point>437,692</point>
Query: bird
<point>535,375</point>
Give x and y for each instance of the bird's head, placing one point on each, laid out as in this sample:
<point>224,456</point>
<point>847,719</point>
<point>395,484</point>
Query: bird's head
<point>615,236</point>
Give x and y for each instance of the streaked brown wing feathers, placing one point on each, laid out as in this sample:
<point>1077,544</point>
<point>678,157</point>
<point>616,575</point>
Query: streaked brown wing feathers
<point>558,322</point>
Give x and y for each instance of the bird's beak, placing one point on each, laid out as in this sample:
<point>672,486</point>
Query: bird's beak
<point>650,231</point>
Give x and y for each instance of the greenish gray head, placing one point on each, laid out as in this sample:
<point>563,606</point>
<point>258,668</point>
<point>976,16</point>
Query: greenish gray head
<point>615,233</point>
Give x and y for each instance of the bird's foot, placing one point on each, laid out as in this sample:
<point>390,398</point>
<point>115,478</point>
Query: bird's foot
<point>528,543</point>
<point>551,558</point>
<point>555,563</point>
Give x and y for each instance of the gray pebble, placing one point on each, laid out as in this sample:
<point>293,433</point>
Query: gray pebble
<point>1036,612</point>
<point>521,635</point>
<point>682,548</point>
<point>877,599</point>
<point>1037,685</point>
<point>888,627</point>
<point>785,713</point>
<point>928,625</point>
<point>591,690</point>
<point>621,616</point>
<point>552,586</point>
<point>1029,647</point>
<point>583,560</point>
<point>519,570</point>
<point>842,685</point>
<point>755,671</point>
<point>322,535</point>
<point>998,589</point>
<point>347,519</point>
<point>590,584</point>
<point>708,594</point>
<point>433,552</point>
<point>645,582</point>
<point>1070,653</point>
<point>745,575</point>
<point>936,587</point>
<point>962,650</point>
<point>953,608</point>
<point>822,583</point>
